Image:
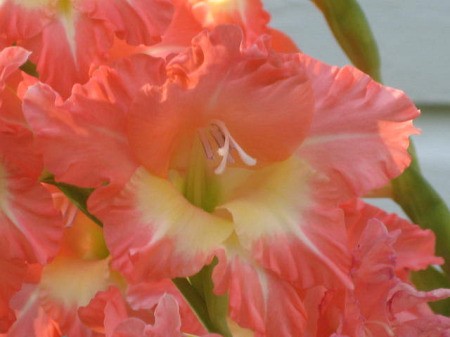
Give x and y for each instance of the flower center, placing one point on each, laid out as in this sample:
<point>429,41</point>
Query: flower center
<point>217,140</point>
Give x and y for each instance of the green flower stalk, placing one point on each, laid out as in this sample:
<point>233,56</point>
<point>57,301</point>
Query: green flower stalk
<point>349,25</point>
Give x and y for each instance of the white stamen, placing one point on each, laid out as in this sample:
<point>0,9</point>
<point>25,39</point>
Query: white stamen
<point>225,149</point>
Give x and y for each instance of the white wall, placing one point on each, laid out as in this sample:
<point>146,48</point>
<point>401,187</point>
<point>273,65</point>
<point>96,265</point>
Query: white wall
<point>413,37</point>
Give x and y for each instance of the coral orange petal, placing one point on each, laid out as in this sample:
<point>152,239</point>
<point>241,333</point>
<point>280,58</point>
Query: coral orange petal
<point>11,279</point>
<point>255,94</point>
<point>91,123</point>
<point>414,246</point>
<point>82,42</point>
<point>278,217</point>
<point>258,299</point>
<point>153,232</point>
<point>136,21</point>
<point>360,130</point>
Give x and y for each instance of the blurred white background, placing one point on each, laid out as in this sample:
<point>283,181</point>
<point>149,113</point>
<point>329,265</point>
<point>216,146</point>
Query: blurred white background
<point>414,42</point>
<point>413,38</point>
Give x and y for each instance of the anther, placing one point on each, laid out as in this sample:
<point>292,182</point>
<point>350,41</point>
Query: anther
<point>226,144</point>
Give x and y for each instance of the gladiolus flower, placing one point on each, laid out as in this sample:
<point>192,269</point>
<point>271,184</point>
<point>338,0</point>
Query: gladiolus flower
<point>382,302</point>
<point>230,151</point>
<point>193,16</point>
<point>49,300</point>
<point>30,227</point>
<point>82,30</point>
<point>78,294</point>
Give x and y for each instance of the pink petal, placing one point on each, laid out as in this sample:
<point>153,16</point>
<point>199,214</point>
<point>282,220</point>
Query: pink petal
<point>19,22</point>
<point>153,232</point>
<point>30,226</point>
<point>258,300</point>
<point>323,318</point>
<point>111,313</point>
<point>83,31</point>
<point>136,21</point>
<point>281,42</point>
<point>3,42</point>
<point>255,94</point>
<point>167,319</point>
<point>431,326</point>
<point>405,296</point>
<point>374,255</point>
<point>145,295</point>
<point>68,284</point>
<point>381,303</point>
<point>32,321</point>
<point>167,322</point>
<point>11,58</point>
<point>19,157</point>
<point>360,130</point>
<point>414,246</point>
<point>365,307</point>
<point>248,14</point>
<point>132,327</point>
<point>82,42</point>
<point>11,85</point>
<point>181,30</point>
<point>279,219</point>
<point>104,312</point>
<point>94,137</point>
<point>82,238</point>
<point>11,278</point>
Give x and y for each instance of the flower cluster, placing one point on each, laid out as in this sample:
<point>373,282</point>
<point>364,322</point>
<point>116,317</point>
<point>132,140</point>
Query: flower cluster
<point>223,170</point>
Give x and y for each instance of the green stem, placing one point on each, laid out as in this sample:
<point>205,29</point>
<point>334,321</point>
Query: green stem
<point>211,309</point>
<point>349,26</point>
<point>216,305</point>
<point>195,300</point>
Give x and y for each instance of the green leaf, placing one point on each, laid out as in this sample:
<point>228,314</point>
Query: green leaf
<point>195,300</point>
<point>30,68</point>
<point>211,309</point>
<point>77,195</point>
<point>217,305</point>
